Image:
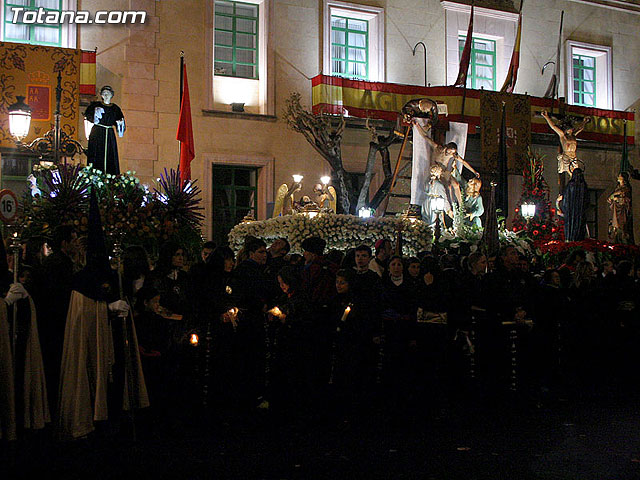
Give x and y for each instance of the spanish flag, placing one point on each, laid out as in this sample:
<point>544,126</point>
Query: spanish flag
<point>465,58</point>
<point>88,73</point>
<point>512,74</point>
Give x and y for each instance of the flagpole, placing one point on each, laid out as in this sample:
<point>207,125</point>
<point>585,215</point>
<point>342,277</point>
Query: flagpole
<point>557,87</point>
<point>180,105</point>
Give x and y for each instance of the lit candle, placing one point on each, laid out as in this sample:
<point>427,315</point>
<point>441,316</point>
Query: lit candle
<point>194,339</point>
<point>346,313</point>
<point>228,290</point>
<point>276,312</point>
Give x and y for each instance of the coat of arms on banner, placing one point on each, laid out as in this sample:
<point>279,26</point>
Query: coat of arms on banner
<point>518,113</point>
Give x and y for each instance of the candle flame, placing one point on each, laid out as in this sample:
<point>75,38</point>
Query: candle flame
<point>194,339</point>
<point>276,312</point>
<point>233,311</point>
<point>348,309</point>
<point>228,290</point>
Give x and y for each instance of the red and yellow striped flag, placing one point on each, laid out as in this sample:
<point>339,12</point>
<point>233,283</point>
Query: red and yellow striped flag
<point>512,74</point>
<point>88,73</point>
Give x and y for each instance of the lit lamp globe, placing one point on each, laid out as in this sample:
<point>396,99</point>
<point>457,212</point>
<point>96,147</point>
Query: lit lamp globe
<point>528,210</point>
<point>364,212</point>
<point>325,179</point>
<point>19,119</point>
<point>297,178</point>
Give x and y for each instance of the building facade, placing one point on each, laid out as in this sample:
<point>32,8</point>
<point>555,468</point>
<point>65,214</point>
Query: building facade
<point>257,52</point>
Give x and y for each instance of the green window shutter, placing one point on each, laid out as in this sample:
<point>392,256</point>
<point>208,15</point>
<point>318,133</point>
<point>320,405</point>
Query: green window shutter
<point>584,80</point>
<point>34,34</point>
<point>236,39</point>
<point>349,47</point>
<point>482,67</point>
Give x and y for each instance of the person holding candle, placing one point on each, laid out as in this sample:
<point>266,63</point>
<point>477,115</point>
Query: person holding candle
<point>291,363</point>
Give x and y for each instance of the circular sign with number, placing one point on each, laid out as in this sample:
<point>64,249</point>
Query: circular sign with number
<point>8,206</point>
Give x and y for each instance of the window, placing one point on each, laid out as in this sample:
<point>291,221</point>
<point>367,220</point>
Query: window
<point>37,34</point>
<point>353,41</point>
<point>494,33</point>
<point>482,68</point>
<point>235,195</point>
<point>589,80</point>
<point>584,80</point>
<point>15,170</point>
<point>349,48</point>
<point>236,39</point>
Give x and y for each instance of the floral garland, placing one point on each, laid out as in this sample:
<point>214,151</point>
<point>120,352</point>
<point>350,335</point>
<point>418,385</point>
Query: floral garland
<point>339,231</point>
<point>342,232</point>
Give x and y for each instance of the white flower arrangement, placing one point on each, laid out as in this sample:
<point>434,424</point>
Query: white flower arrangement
<point>339,231</point>
<point>342,232</point>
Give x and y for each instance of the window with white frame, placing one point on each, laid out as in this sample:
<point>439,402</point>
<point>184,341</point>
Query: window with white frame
<point>589,75</point>
<point>494,34</point>
<point>353,41</point>
<point>482,65</point>
<point>61,35</point>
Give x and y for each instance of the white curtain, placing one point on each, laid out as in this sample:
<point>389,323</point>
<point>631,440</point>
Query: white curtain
<point>420,165</point>
<point>458,133</point>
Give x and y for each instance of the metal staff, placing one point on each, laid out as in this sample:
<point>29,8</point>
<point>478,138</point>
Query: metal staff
<point>15,246</point>
<point>117,251</point>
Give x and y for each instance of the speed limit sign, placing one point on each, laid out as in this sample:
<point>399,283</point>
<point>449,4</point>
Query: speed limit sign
<point>8,206</point>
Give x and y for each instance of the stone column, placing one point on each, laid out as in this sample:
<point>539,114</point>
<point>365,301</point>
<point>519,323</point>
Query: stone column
<point>140,89</point>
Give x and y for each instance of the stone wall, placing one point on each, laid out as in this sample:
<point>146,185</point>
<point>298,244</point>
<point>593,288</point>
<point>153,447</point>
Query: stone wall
<point>142,64</point>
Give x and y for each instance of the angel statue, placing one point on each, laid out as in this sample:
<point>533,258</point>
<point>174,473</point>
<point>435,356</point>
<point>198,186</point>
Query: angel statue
<point>567,132</point>
<point>621,224</point>
<point>285,203</point>
<point>473,206</point>
<point>326,197</point>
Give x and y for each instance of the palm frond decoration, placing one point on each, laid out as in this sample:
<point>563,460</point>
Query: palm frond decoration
<point>181,201</point>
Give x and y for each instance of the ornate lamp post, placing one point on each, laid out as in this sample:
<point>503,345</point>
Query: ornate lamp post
<point>54,143</point>
<point>437,205</point>
<point>528,210</point>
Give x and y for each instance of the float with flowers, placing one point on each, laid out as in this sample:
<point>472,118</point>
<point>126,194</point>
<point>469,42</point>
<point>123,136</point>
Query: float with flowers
<point>132,213</point>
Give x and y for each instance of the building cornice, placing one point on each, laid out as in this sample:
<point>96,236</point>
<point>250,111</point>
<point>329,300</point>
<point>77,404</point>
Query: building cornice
<point>451,6</point>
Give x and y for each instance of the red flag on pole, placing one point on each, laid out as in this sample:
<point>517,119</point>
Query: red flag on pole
<point>465,58</point>
<point>512,74</point>
<point>185,132</point>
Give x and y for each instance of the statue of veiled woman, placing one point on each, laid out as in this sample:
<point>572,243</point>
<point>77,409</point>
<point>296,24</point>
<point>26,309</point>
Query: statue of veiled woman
<point>621,224</point>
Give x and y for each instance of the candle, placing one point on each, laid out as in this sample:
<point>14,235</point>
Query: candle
<point>276,312</point>
<point>346,313</point>
<point>194,339</point>
<point>228,290</point>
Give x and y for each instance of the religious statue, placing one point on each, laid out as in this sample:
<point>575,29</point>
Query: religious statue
<point>326,197</point>
<point>621,224</point>
<point>435,188</point>
<point>452,163</point>
<point>420,108</point>
<point>473,206</point>
<point>102,153</point>
<point>572,205</point>
<point>285,203</point>
<point>567,132</point>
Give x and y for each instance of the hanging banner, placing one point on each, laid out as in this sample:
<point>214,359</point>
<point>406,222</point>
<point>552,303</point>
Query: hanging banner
<point>32,71</point>
<point>518,117</point>
<point>355,98</point>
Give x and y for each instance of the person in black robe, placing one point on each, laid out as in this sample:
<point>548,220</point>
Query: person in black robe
<point>573,203</point>
<point>102,153</point>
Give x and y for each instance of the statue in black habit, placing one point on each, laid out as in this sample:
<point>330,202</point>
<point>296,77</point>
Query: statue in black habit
<point>573,205</point>
<point>102,153</point>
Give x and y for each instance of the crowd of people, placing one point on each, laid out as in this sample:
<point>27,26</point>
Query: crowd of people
<point>333,331</point>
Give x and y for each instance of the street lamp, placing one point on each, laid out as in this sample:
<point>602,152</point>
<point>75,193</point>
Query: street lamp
<point>54,143</point>
<point>528,210</point>
<point>19,119</point>
<point>365,212</point>
<point>437,205</point>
